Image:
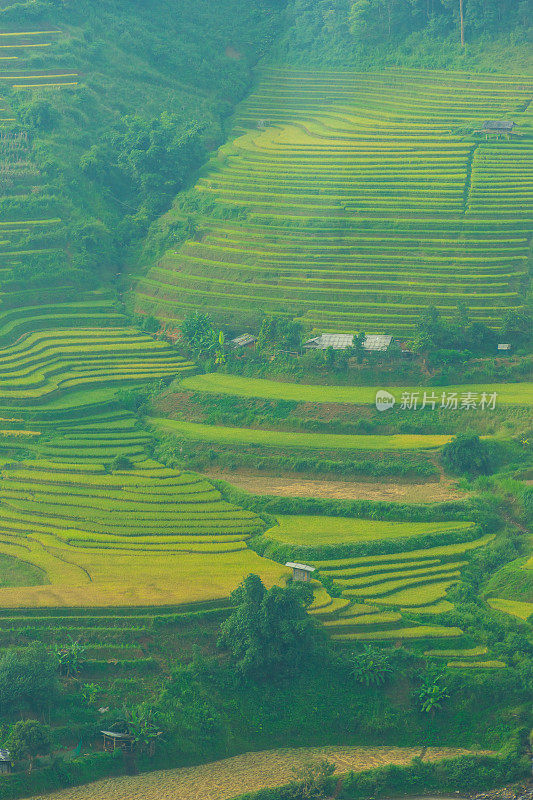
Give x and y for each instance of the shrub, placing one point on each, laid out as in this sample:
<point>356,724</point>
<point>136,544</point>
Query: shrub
<point>467,453</point>
<point>311,780</point>
<point>28,676</point>
<point>121,463</point>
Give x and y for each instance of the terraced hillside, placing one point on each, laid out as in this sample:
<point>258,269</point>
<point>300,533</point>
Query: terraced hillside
<point>100,536</point>
<point>34,262</point>
<point>354,200</point>
<point>401,597</point>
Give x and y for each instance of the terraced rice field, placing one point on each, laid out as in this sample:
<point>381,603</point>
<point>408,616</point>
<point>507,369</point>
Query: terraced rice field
<point>101,537</point>
<point>352,201</point>
<point>219,383</point>
<point>22,55</point>
<point>152,534</point>
<point>223,780</point>
<point>513,607</point>
<point>386,597</point>
<point>312,441</point>
<point>40,364</point>
<point>315,530</point>
<point>31,229</point>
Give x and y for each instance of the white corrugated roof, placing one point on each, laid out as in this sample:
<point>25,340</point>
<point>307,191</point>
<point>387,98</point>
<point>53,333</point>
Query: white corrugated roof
<point>338,341</point>
<point>305,567</point>
<point>377,342</point>
<point>243,340</point>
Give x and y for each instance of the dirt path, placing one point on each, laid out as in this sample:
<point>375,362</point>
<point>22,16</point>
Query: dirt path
<point>224,780</point>
<point>438,492</point>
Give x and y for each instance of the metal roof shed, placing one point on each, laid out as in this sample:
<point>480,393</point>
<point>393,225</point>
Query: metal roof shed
<point>115,740</point>
<point>338,341</point>
<point>300,572</point>
<point>377,343</point>
<point>498,125</point>
<point>244,340</point>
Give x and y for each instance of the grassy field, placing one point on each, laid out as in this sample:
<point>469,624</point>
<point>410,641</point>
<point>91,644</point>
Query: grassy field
<point>312,531</point>
<point>223,780</point>
<point>313,441</point>
<point>351,201</point>
<point>17,572</point>
<point>218,383</point>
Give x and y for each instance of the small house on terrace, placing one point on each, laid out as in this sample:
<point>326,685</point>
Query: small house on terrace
<point>373,343</point>
<point>497,127</point>
<point>377,343</point>
<point>245,340</point>
<point>338,341</point>
<point>300,572</point>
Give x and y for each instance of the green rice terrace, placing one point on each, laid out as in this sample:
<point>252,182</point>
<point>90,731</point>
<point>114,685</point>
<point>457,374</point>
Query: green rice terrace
<point>334,185</point>
<point>351,201</point>
<point>336,198</point>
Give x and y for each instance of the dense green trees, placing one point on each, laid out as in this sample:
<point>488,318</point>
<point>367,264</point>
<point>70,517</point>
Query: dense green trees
<point>461,334</point>
<point>269,634</point>
<point>394,18</point>
<point>280,333</point>
<point>146,161</point>
<point>417,32</point>
<point>158,80</point>
<point>29,739</point>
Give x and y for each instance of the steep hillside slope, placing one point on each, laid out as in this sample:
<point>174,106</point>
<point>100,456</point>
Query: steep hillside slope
<point>70,75</point>
<point>114,104</point>
<point>354,200</point>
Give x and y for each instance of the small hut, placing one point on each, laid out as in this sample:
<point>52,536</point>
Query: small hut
<point>497,127</point>
<point>115,740</point>
<point>6,764</point>
<point>300,572</point>
<point>244,340</point>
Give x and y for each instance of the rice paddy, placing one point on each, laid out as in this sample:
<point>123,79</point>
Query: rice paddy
<point>312,441</point>
<point>315,530</point>
<point>352,201</point>
<point>515,608</point>
<point>17,46</point>
<point>372,207</point>
<point>386,594</point>
<point>239,386</point>
<point>151,532</point>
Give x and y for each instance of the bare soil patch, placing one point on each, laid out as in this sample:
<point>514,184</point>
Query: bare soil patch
<point>438,492</point>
